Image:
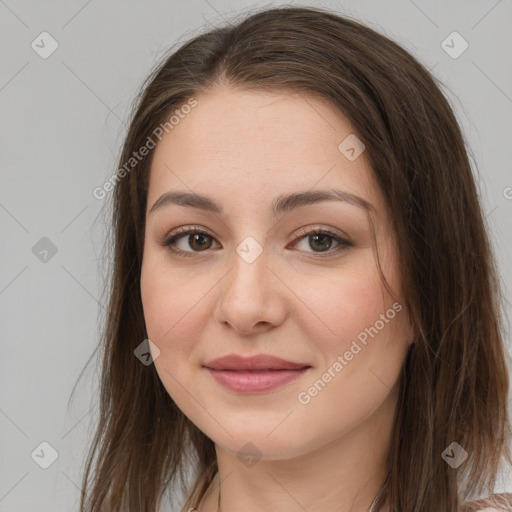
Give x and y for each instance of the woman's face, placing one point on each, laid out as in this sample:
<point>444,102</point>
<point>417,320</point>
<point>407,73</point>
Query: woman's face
<point>258,281</point>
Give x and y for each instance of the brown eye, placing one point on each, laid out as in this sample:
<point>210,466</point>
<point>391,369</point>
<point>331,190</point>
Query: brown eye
<point>320,241</point>
<point>199,241</point>
<point>193,240</point>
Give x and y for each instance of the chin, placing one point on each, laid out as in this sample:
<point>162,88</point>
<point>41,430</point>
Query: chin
<point>258,445</point>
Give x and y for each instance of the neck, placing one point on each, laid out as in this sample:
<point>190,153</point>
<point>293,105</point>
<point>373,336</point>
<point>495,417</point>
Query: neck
<point>345,474</point>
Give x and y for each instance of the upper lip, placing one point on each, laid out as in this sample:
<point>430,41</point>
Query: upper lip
<point>258,362</point>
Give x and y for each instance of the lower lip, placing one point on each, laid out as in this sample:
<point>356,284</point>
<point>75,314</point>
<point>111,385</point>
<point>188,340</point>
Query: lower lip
<point>255,382</point>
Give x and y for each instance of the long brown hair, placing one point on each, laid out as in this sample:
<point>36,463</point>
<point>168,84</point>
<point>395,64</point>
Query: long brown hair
<point>454,382</point>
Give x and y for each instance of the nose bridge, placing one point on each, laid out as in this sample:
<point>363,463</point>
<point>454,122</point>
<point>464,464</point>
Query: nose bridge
<point>249,276</point>
<point>248,296</point>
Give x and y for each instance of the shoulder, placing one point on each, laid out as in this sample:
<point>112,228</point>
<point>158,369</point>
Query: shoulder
<point>494,503</point>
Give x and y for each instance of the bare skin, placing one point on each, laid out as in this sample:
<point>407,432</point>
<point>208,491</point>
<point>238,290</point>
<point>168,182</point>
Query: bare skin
<point>316,451</point>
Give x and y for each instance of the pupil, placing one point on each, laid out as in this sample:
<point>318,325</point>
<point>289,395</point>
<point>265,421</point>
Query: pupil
<point>200,240</point>
<point>324,237</point>
<point>199,237</point>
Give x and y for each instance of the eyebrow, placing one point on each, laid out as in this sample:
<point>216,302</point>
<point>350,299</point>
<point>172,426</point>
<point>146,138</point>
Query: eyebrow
<point>281,204</point>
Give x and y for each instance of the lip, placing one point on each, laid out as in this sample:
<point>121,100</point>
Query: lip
<point>256,381</point>
<point>254,374</point>
<point>235,362</point>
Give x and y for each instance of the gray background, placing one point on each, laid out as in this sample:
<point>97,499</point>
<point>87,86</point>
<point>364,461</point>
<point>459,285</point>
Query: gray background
<point>61,125</point>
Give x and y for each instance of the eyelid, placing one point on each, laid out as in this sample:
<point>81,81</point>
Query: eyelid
<point>316,228</point>
<point>181,231</point>
<point>341,238</point>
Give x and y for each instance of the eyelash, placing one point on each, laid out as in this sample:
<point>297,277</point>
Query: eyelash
<point>344,244</point>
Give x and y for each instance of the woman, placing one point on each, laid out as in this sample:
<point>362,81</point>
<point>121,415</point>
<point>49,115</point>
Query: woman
<point>304,304</point>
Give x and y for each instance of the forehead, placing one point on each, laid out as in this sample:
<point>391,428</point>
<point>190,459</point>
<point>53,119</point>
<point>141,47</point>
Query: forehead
<point>250,146</point>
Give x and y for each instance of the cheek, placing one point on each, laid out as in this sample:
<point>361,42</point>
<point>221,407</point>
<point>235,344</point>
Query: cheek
<point>177,304</point>
<point>358,329</point>
<point>337,306</point>
<point>174,325</point>
<point>173,300</point>
<point>172,306</point>
<point>328,308</point>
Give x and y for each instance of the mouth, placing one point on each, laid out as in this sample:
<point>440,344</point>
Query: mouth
<point>255,374</point>
<point>255,381</point>
<point>258,371</point>
<point>260,362</point>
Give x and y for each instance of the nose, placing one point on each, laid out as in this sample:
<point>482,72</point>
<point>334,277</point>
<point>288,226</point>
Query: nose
<point>251,298</point>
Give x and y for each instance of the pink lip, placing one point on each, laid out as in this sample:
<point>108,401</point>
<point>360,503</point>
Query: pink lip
<point>258,362</point>
<point>254,381</point>
<point>254,374</point>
